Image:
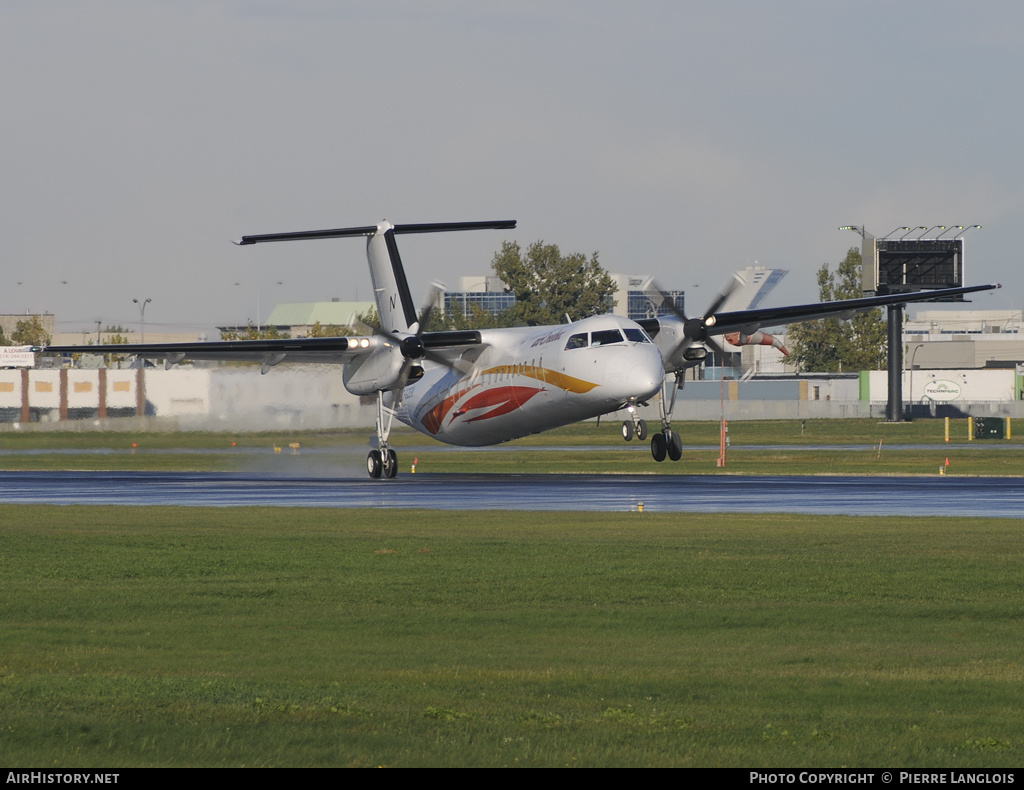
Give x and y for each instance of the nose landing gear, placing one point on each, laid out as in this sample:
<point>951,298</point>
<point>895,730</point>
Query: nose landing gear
<point>634,426</point>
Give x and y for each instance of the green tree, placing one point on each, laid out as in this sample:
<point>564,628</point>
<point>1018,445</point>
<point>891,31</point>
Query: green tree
<point>476,318</point>
<point>330,330</point>
<point>831,345</point>
<point>30,332</point>
<point>370,319</point>
<point>115,336</point>
<point>253,333</point>
<point>548,285</point>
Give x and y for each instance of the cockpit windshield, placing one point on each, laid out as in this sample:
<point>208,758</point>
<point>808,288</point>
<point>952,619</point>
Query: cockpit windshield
<point>606,337</point>
<point>637,335</point>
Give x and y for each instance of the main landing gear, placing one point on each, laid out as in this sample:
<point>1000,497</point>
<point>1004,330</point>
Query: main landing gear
<point>382,462</point>
<point>669,443</point>
<point>666,443</point>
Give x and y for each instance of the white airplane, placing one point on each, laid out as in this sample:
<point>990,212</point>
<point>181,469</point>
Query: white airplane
<point>475,388</point>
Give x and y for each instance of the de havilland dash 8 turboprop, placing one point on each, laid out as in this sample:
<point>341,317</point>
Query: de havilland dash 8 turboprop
<point>485,387</point>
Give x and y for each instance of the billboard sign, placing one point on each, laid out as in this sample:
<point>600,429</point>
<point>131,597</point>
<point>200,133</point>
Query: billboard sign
<point>17,357</point>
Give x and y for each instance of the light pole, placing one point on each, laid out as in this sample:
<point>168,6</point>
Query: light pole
<point>259,319</point>
<point>142,315</point>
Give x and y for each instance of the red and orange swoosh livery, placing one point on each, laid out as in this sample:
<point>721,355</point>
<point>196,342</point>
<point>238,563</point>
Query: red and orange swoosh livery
<point>502,399</point>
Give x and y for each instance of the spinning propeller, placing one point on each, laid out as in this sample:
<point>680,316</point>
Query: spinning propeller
<point>696,329</point>
<point>419,345</point>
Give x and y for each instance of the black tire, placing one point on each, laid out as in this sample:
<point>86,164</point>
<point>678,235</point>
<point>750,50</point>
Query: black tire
<point>391,467</point>
<point>374,464</point>
<point>627,431</point>
<point>641,430</point>
<point>658,447</point>
<point>675,446</point>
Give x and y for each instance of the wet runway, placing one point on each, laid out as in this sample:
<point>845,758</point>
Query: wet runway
<point>907,496</point>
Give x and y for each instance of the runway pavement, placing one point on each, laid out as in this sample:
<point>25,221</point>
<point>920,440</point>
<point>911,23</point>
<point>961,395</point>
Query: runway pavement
<point>906,496</point>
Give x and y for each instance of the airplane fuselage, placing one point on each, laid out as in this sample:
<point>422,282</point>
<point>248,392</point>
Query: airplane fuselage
<point>531,380</point>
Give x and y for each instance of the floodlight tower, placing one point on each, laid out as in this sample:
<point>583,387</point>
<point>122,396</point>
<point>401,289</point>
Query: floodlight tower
<point>904,266</point>
<point>894,318</point>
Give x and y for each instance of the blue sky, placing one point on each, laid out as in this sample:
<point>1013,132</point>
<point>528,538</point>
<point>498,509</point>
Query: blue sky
<point>679,139</point>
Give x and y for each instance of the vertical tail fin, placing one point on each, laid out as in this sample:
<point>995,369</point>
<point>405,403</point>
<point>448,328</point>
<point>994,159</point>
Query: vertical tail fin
<point>395,307</point>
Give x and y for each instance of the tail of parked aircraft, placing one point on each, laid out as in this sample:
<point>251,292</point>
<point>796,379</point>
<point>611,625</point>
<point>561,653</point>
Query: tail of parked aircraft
<point>395,306</point>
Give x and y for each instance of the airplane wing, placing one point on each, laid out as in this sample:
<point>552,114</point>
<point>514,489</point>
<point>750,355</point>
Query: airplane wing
<point>751,320</point>
<point>319,350</point>
<point>322,349</point>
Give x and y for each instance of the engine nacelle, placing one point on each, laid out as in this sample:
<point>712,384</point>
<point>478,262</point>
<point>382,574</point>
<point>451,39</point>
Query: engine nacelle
<point>379,370</point>
<point>694,356</point>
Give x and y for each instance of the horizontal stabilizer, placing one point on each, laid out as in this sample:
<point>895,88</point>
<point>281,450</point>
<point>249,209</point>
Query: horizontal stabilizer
<point>370,230</point>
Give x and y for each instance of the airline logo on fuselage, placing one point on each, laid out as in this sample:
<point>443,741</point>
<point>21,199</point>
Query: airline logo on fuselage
<point>551,337</point>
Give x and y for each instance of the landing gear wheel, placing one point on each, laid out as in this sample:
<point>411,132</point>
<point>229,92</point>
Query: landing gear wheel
<point>675,445</point>
<point>658,447</point>
<point>627,431</point>
<point>641,430</point>
<point>391,464</point>
<point>374,464</point>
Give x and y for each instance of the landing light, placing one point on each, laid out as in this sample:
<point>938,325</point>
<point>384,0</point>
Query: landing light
<point>709,321</point>
<point>364,342</point>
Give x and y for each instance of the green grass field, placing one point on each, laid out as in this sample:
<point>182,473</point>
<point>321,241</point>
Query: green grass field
<point>265,637</point>
<point>757,447</point>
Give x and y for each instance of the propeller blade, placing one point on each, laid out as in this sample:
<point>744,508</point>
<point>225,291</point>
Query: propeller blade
<point>662,301</point>
<point>412,346</point>
<point>727,291</point>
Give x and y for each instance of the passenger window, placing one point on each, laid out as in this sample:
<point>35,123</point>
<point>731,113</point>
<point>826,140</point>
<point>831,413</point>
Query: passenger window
<point>605,337</point>
<point>577,341</point>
